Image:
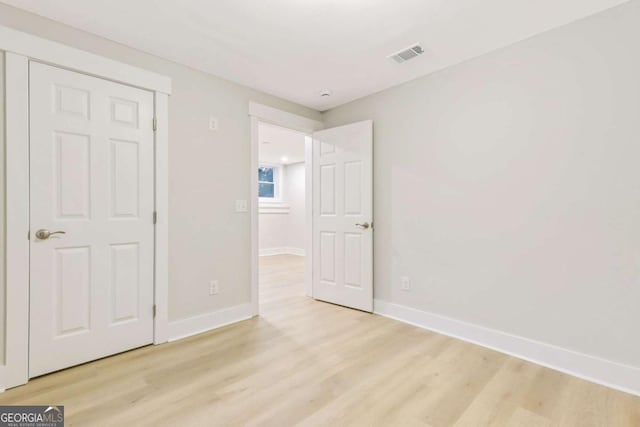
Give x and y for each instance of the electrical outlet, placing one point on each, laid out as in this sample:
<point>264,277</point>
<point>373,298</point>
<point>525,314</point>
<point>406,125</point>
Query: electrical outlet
<point>405,283</point>
<point>213,123</point>
<point>214,288</point>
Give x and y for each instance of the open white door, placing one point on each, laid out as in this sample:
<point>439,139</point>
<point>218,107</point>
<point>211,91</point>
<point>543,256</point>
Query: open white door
<point>343,215</point>
<point>92,227</point>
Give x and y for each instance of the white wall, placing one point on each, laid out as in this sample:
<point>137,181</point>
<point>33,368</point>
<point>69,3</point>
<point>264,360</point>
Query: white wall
<point>283,232</point>
<point>273,227</point>
<point>294,192</point>
<point>508,188</point>
<point>208,170</point>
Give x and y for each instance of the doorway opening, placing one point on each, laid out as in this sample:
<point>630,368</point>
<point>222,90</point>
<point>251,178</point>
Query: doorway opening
<point>338,201</point>
<point>282,215</point>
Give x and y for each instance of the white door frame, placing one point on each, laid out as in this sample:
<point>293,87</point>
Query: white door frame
<point>262,113</point>
<point>21,48</point>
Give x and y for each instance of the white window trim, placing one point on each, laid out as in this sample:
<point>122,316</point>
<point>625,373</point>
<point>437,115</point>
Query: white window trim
<point>21,48</point>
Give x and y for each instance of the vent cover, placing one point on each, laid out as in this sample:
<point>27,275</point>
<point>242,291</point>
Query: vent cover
<point>407,54</point>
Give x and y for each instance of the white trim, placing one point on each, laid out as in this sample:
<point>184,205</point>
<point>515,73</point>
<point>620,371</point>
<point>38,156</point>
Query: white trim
<point>267,114</point>
<point>273,251</point>
<point>605,372</point>
<point>281,251</point>
<point>205,322</point>
<point>20,49</point>
<point>254,206</point>
<point>15,371</point>
<point>270,207</point>
<point>161,292</point>
<point>295,251</point>
<point>308,215</point>
<point>258,113</point>
<point>61,55</point>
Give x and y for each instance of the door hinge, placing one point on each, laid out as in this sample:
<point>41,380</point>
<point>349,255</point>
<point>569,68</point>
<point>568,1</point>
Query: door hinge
<point>28,234</point>
<point>155,310</point>
<point>155,124</point>
<point>155,217</point>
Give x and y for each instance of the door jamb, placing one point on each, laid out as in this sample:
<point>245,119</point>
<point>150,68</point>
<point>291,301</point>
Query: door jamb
<point>262,113</point>
<point>20,48</point>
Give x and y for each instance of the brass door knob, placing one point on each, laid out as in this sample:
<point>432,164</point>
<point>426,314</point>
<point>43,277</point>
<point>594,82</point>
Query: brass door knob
<point>43,234</point>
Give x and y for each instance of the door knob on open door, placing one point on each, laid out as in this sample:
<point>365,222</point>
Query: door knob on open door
<point>363,226</point>
<point>43,234</point>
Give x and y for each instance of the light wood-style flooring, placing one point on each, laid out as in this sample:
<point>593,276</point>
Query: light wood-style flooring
<point>304,362</point>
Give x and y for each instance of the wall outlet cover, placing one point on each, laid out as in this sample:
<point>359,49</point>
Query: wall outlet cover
<point>405,283</point>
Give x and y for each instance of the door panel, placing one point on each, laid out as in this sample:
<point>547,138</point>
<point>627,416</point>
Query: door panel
<point>342,199</point>
<point>91,166</point>
<point>124,178</point>
<point>72,175</point>
<point>125,282</point>
<point>72,282</point>
<point>353,259</point>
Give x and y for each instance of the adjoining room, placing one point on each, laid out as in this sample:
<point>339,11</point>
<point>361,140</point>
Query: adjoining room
<point>282,212</point>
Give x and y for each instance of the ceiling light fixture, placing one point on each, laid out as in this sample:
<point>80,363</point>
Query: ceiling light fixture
<point>325,93</point>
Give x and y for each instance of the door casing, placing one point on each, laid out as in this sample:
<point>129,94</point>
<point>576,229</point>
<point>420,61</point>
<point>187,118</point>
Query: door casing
<point>262,113</point>
<point>21,48</point>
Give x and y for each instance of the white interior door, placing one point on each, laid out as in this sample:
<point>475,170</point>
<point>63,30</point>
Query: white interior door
<point>91,169</point>
<point>343,215</point>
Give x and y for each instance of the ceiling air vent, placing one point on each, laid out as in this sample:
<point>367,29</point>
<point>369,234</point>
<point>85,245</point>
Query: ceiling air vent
<point>407,54</point>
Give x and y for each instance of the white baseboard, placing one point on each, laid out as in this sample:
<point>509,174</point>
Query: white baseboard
<point>295,251</point>
<point>206,322</point>
<point>605,372</point>
<point>281,251</point>
<point>272,251</point>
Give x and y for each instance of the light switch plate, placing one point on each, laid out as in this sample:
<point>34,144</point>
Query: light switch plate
<point>214,287</point>
<point>213,123</point>
<point>242,206</point>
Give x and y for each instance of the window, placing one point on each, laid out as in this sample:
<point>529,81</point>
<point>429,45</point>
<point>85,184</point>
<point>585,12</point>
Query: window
<point>268,182</point>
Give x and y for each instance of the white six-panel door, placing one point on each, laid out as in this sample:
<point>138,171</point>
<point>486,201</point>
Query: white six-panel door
<point>343,215</point>
<point>92,178</point>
